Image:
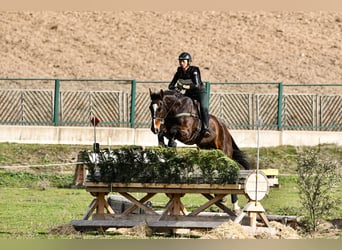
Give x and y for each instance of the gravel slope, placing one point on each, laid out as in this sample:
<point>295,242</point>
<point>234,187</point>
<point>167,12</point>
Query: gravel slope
<point>291,47</point>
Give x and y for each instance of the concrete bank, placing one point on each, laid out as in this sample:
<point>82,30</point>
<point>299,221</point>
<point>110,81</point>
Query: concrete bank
<point>143,136</point>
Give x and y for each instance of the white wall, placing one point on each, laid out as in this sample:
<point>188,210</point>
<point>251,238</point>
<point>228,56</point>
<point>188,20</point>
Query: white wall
<point>129,136</point>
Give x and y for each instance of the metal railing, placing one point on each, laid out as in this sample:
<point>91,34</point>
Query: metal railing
<point>124,103</point>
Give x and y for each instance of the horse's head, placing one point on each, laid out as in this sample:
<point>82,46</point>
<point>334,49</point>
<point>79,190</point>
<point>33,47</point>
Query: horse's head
<point>158,111</point>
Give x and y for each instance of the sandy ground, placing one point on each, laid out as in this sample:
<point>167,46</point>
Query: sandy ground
<point>290,47</point>
<point>227,230</point>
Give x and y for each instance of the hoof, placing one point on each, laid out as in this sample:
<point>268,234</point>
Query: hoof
<point>236,208</point>
<point>172,144</point>
<point>237,211</point>
<point>223,200</point>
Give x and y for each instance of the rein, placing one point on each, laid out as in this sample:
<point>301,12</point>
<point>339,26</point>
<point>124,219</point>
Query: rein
<point>162,119</point>
<point>177,115</point>
<point>185,114</point>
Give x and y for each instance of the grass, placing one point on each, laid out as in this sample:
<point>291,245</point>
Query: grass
<point>32,212</point>
<point>280,157</point>
<point>15,154</point>
<point>284,157</point>
<point>36,200</point>
<point>28,213</point>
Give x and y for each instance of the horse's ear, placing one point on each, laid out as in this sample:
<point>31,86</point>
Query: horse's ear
<point>161,93</point>
<point>150,91</point>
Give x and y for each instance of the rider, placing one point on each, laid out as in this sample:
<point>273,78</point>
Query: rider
<point>189,78</point>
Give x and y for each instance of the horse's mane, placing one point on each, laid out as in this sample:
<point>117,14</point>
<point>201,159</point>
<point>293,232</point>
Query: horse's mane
<point>167,92</point>
<point>170,92</point>
<point>173,93</point>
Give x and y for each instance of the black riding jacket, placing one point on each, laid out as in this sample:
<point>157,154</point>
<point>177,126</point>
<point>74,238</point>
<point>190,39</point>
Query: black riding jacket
<point>191,77</point>
<point>197,91</point>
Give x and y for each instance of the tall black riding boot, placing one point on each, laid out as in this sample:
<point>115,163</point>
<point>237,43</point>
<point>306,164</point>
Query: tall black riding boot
<point>205,122</point>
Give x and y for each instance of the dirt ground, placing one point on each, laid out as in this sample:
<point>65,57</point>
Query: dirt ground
<point>237,46</point>
<point>227,230</point>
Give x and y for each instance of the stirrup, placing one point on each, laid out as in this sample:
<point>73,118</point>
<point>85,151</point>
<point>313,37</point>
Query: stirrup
<point>206,133</point>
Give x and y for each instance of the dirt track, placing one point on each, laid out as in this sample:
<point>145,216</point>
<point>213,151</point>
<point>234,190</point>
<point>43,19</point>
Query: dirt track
<point>291,47</point>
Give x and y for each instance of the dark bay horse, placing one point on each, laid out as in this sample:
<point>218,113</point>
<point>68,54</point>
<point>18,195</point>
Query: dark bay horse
<point>177,117</point>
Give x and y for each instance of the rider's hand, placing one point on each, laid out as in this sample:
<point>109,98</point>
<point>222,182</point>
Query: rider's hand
<point>179,86</point>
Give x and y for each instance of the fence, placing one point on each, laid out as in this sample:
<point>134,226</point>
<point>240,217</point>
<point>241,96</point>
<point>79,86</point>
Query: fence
<point>124,103</point>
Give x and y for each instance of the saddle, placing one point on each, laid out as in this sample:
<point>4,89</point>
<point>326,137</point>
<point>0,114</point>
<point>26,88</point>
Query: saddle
<point>196,104</point>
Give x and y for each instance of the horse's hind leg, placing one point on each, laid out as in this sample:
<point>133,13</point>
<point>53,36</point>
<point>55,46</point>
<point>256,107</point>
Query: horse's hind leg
<point>234,200</point>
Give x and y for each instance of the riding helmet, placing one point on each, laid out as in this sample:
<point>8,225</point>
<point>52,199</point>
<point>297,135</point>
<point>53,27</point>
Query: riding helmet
<point>185,56</point>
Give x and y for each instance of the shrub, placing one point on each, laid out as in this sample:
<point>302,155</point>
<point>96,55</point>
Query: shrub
<point>162,165</point>
<point>317,179</point>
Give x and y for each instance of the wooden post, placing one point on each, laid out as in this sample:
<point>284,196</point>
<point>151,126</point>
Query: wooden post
<point>252,219</point>
<point>100,203</point>
<point>253,209</point>
<point>79,175</point>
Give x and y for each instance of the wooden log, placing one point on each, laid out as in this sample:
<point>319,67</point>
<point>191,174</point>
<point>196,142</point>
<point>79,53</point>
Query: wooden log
<point>220,205</point>
<point>283,218</point>
<point>138,203</point>
<point>154,217</point>
<point>86,225</point>
<point>164,188</point>
<point>91,209</point>
<point>207,204</point>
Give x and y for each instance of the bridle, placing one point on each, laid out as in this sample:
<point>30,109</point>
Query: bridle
<point>161,119</point>
<point>167,107</point>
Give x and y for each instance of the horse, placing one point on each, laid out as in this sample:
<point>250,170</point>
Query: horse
<point>177,117</point>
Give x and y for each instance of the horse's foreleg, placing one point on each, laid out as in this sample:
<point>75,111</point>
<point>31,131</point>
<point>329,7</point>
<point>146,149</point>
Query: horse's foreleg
<point>161,139</point>
<point>172,141</point>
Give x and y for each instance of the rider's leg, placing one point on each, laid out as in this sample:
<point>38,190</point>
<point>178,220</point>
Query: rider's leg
<point>204,113</point>
<point>205,121</point>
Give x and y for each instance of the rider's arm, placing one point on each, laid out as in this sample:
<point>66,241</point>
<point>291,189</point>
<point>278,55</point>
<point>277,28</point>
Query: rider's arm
<point>196,79</point>
<point>172,84</point>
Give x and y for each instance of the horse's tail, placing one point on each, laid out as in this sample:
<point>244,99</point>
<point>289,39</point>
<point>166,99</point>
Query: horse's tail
<point>240,156</point>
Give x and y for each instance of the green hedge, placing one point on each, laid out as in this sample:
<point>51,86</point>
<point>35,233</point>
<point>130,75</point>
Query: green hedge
<point>162,165</point>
